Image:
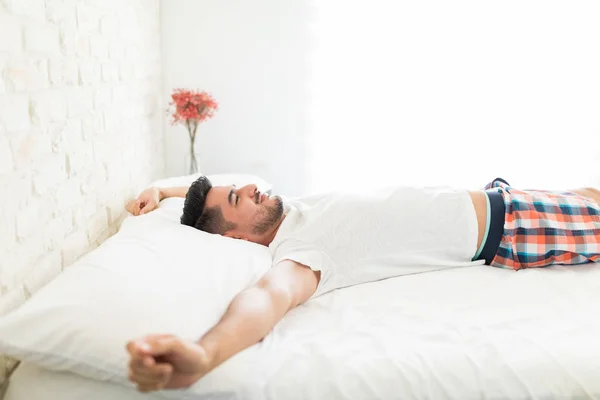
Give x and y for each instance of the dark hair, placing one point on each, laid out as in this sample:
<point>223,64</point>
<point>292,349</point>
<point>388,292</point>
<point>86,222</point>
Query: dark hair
<point>209,220</point>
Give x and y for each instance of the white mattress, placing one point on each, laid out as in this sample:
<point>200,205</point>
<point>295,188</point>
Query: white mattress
<point>467,333</point>
<point>31,383</point>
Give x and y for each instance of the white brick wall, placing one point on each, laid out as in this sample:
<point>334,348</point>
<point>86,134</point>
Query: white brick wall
<point>80,83</point>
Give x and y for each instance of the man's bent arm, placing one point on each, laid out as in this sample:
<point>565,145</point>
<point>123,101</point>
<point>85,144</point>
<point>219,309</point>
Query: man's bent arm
<point>165,193</point>
<point>255,311</point>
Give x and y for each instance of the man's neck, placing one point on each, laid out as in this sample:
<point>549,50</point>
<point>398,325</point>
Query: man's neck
<point>271,235</point>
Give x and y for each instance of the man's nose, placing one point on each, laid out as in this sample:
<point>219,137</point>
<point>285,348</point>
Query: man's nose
<point>249,190</point>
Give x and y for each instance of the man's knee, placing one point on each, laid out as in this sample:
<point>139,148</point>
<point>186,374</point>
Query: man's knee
<point>592,190</point>
<point>590,193</point>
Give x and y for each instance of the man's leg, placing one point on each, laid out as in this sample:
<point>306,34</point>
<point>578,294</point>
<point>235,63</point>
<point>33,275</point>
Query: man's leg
<point>590,193</point>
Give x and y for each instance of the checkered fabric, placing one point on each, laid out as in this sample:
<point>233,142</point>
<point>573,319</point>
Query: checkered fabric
<point>542,228</point>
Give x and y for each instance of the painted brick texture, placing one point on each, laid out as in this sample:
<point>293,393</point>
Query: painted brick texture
<point>80,130</point>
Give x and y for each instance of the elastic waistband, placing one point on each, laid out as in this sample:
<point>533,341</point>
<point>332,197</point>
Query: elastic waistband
<point>496,218</point>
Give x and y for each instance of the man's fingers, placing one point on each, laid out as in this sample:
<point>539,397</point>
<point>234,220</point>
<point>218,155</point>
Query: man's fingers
<point>157,380</point>
<point>142,374</point>
<point>142,379</point>
<point>149,371</point>
<point>144,353</point>
<point>147,208</point>
<point>130,347</point>
<point>137,206</point>
<point>140,359</point>
<point>148,362</point>
<point>144,346</point>
<point>155,373</point>
<point>160,345</point>
<point>134,353</point>
<point>137,348</point>
<point>144,370</point>
<point>150,387</point>
<point>166,370</point>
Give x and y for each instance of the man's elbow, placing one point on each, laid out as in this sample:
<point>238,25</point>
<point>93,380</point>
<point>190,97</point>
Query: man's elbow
<point>280,296</point>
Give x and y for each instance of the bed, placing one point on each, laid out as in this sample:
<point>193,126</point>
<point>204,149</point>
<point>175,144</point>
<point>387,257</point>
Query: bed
<point>466,333</point>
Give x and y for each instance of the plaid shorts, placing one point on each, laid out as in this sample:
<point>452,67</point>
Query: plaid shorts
<point>542,228</point>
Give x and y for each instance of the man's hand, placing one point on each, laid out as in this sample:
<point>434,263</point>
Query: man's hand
<point>165,362</point>
<point>147,201</point>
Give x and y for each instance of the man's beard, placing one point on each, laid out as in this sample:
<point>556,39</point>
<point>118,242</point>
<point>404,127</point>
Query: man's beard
<point>269,215</point>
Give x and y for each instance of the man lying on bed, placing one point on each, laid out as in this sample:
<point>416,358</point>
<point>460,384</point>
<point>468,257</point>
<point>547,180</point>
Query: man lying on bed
<point>326,242</point>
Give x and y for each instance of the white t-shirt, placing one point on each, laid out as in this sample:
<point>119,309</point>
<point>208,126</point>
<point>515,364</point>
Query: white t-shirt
<point>359,238</point>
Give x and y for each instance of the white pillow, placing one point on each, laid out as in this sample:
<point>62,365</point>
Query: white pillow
<point>217,180</point>
<point>153,276</point>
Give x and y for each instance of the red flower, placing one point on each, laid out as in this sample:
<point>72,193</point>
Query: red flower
<point>191,107</point>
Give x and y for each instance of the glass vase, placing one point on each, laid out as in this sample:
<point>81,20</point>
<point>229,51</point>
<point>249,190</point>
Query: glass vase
<point>191,162</point>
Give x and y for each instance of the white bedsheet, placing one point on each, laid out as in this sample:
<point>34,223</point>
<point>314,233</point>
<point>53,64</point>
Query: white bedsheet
<point>33,383</point>
<point>468,333</point>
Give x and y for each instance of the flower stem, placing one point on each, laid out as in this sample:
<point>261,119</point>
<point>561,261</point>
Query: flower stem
<point>192,133</point>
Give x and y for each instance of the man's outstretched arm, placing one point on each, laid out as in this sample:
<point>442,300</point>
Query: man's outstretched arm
<point>180,191</point>
<point>149,199</point>
<point>167,362</point>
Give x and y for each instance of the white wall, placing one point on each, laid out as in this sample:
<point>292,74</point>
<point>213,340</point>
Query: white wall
<point>436,92</point>
<point>252,57</point>
<point>390,92</point>
<point>80,129</point>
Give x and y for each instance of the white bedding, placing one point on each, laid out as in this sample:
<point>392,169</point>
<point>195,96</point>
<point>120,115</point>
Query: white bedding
<point>468,333</point>
<point>35,383</point>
